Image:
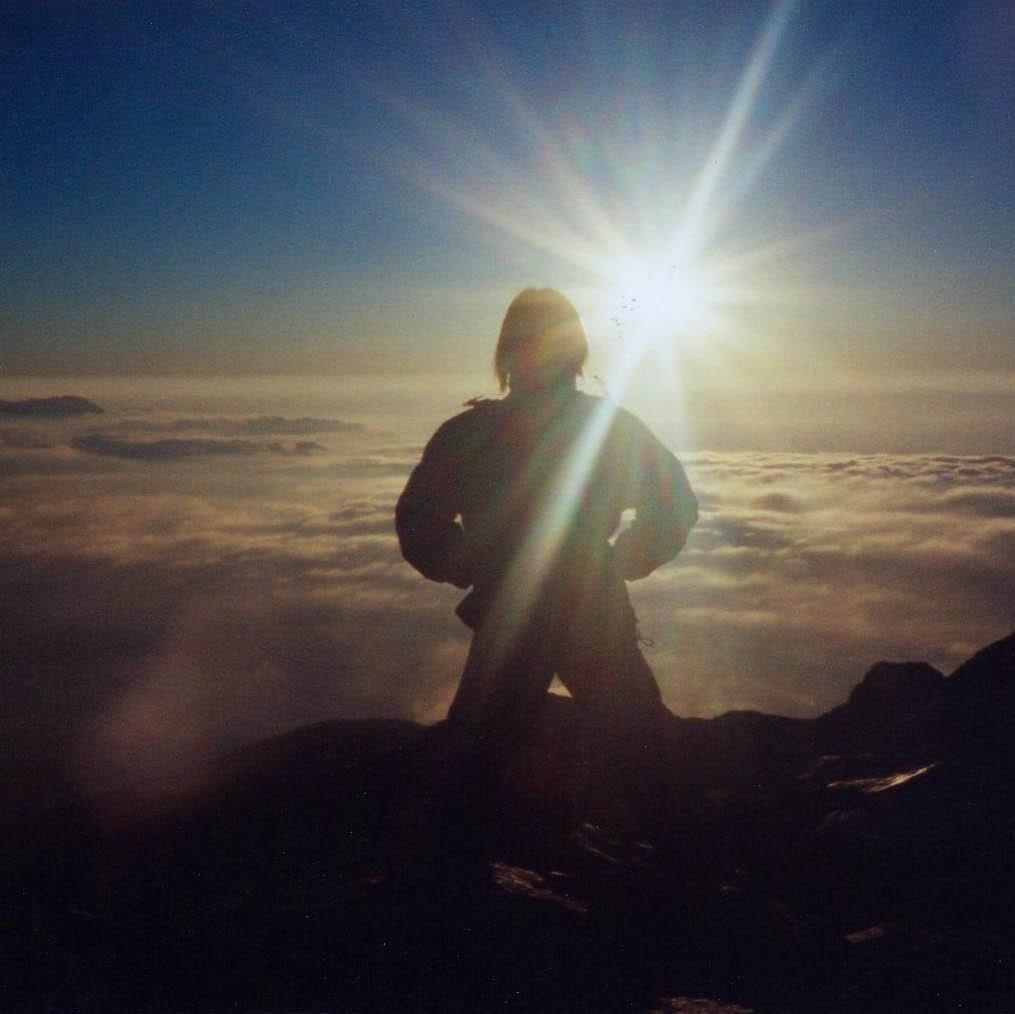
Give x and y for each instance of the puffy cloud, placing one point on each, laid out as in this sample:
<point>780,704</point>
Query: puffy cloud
<point>879,557</point>
<point>258,426</point>
<point>160,613</point>
<point>780,503</point>
<point>22,439</point>
<point>50,408</point>
<point>265,425</point>
<point>386,461</point>
<point>984,501</point>
<point>174,447</point>
<point>46,461</point>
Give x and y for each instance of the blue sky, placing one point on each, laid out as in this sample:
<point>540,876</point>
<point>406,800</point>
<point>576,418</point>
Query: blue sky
<point>257,187</point>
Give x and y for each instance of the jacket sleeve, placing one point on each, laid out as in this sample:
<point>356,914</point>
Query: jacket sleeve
<point>666,508</point>
<point>430,537</point>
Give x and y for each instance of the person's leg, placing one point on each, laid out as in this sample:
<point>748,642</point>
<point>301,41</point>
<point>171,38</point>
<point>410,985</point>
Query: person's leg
<point>490,721</point>
<point>500,692</point>
<point>618,697</point>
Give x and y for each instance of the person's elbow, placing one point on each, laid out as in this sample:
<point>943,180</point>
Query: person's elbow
<point>639,552</point>
<point>438,556</point>
<point>646,546</point>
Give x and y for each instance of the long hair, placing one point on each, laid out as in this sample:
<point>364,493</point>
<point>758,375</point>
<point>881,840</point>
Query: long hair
<point>542,335</point>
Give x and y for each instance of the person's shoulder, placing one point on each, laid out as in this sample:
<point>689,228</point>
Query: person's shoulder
<point>479,416</point>
<point>481,406</point>
<point>606,408</point>
<point>625,435</point>
<point>478,412</point>
<point>594,403</point>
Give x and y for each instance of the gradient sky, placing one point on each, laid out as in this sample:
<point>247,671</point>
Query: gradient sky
<point>261,187</point>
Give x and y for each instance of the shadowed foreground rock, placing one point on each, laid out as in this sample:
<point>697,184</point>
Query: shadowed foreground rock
<point>858,861</point>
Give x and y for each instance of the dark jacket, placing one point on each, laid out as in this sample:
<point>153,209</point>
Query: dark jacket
<point>519,498</point>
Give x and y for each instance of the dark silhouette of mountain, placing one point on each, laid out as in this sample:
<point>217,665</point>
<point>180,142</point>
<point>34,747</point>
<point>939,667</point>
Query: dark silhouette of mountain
<point>875,716</point>
<point>859,861</point>
<point>981,697</point>
<point>50,408</point>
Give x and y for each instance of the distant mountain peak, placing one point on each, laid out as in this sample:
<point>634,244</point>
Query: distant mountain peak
<point>898,687</point>
<point>994,664</point>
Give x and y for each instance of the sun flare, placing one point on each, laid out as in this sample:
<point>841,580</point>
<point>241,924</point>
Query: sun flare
<point>657,303</point>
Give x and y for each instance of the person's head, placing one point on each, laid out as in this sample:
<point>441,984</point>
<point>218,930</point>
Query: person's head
<point>542,341</point>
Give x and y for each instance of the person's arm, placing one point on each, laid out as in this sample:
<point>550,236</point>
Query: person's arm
<point>430,537</point>
<point>666,508</point>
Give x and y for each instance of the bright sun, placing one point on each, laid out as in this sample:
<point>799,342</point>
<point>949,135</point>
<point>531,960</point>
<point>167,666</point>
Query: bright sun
<point>658,303</point>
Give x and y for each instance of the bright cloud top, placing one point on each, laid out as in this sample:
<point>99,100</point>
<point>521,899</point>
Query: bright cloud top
<point>167,607</point>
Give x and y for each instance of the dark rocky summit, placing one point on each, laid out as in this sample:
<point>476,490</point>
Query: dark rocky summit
<point>860,861</point>
<point>50,408</point>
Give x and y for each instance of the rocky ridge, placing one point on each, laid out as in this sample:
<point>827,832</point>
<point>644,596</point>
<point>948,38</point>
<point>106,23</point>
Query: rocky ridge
<point>855,861</point>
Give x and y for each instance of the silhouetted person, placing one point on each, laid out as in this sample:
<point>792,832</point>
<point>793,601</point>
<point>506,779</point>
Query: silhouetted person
<point>518,499</point>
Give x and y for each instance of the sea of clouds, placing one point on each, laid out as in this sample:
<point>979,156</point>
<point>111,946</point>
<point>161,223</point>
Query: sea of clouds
<point>174,583</point>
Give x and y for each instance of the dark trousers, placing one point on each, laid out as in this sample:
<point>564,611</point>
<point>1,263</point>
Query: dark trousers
<point>617,701</point>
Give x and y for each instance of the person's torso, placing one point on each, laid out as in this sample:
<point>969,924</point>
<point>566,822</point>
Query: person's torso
<point>541,490</point>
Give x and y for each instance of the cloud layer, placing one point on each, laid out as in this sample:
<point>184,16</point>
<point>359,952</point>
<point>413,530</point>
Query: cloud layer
<point>171,448</point>
<point>154,613</point>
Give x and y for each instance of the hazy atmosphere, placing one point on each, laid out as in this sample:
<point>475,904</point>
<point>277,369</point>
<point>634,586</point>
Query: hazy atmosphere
<point>193,569</point>
<point>274,243</point>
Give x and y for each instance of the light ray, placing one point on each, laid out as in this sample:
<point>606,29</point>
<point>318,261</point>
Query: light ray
<point>558,515</point>
<point>689,236</point>
<point>630,234</point>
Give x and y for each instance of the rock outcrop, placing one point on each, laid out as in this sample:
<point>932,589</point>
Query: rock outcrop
<point>857,861</point>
